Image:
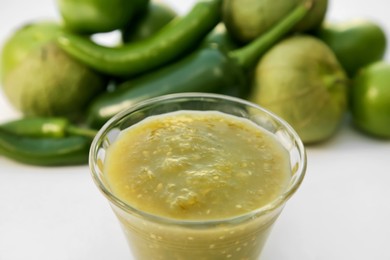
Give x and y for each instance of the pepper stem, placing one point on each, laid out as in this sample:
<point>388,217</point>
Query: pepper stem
<point>247,56</point>
<point>79,131</point>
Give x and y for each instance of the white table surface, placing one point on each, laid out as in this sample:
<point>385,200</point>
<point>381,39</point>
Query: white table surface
<point>341,211</point>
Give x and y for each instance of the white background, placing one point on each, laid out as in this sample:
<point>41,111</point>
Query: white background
<point>342,210</point>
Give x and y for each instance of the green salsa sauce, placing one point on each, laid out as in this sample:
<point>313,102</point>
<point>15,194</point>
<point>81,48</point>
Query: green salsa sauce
<point>191,165</point>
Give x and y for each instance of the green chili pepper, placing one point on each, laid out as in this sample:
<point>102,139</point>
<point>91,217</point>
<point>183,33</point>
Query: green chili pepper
<point>156,16</point>
<point>221,37</point>
<point>72,150</point>
<point>356,43</point>
<point>94,16</point>
<point>55,127</point>
<point>206,70</point>
<point>169,43</point>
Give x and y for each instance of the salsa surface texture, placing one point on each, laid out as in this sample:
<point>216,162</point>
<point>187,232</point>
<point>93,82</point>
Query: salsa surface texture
<point>197,165</point>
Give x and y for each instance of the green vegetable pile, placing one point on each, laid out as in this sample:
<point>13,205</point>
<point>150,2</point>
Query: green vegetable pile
<point>281,54</point>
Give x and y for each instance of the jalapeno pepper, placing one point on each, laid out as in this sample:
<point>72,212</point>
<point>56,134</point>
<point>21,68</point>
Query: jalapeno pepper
<point>356,43</point>
<point>45,141</point>
<point>46,151</point>
<point>55,127</point>
<point>151,21</point>
<point>206,70</point>
<point>169,43</point>
<point>220,36</point>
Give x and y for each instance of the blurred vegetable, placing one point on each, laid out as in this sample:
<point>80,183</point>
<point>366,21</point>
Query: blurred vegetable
<point>40,79</point>
<point>45,151</point>
<point>370,99</point>
<point>206,70</point>
<point>94,16</point>
<point>149,22</point>
<point>314,18</point>
<point>54,127</point>
<point>247,19</point>
<point>23,42</point>
<point>301,80</point>
<point>168,44</point>
<point>356,43</point>
<point>45,141</point>
<point>220,37</point>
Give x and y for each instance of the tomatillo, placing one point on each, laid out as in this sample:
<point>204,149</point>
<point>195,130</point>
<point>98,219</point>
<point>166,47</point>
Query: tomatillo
<point>301,80</point>
<point>370,99</point>
<point>39,79</point>
<point>247,19</point>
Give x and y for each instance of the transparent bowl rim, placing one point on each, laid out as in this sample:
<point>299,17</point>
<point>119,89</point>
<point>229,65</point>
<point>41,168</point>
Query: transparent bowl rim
<point>276,203</point>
